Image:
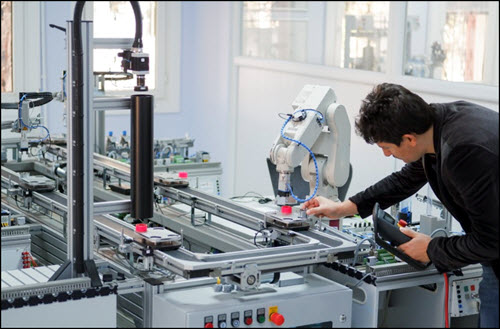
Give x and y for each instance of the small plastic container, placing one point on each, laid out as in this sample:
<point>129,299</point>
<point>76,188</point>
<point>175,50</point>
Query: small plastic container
<point>141,228</point>
<point>286,210</point>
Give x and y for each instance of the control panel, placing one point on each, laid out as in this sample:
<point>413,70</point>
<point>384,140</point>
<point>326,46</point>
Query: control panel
<point>315,301</point>
<point>464,297</point>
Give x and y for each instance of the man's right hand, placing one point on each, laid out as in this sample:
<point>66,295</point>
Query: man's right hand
<point>323,207</point>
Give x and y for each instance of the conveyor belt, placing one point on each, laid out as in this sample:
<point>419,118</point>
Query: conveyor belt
<point>250,218</point>
<point>304,251</point>
<point>8,174</point>
<point>222,202</point>
<point>56,197</point>
<point>211,204</point>
<point>128,231</point>
<point>217,206</point>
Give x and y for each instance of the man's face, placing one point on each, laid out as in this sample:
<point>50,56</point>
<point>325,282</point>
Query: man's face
<point>406,151</point>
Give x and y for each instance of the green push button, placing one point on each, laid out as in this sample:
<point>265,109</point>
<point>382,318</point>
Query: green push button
<point>466,289</point>
<point>261,319</point>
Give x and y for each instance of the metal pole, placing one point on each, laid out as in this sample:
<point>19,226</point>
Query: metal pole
<point>88,140</point>
<point>141,164</point>
<point>147,308</point>
<point>70,169</point>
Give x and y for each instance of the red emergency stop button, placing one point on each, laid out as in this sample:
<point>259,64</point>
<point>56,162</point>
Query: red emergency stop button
<point>402,223</point>
<point>209,325</point>
<point>277,319</point>
<point>248,321</point>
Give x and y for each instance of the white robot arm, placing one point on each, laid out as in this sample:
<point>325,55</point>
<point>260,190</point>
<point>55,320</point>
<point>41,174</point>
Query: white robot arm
<point>317,136</point>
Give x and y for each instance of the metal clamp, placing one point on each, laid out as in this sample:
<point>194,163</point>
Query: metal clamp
<point>207,220</point>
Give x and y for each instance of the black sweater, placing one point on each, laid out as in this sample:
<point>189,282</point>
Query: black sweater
<point>464,176</point>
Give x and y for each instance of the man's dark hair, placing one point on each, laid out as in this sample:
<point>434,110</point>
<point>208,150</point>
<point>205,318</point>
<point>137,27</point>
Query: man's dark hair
<point>391,111</point>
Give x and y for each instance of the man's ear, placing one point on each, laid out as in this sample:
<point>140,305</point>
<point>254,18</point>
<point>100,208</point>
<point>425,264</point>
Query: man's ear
<point>410,139</point>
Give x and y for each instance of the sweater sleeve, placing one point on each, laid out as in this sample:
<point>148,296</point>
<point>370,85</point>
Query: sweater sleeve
<point>473,173</point>
<point>392,189</point>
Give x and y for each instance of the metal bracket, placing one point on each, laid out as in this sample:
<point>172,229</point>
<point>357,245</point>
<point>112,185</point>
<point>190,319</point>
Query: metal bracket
<point>250,278</point>
<point>331,258</point>
<point>217,272</point>
<point>63,272</point>
<point>193,221</point>
<point>104,178</point>
<point>91,271</point>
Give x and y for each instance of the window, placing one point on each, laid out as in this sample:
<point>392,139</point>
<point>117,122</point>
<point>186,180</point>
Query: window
<point>452,41</point>
<point>115,19</point>
<point>443,40</point>
<point>161,33</point>
<point>7,76</point>
<point>21,48</point>
<point>284,30</point>
<point>355,33</point>
<point>21,51</point>
<point>364,35</point>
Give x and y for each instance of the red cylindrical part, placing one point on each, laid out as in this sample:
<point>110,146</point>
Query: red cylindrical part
<point>286,210</point>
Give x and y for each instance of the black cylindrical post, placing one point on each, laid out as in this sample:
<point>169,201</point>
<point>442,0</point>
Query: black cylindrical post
<point>141,160</point>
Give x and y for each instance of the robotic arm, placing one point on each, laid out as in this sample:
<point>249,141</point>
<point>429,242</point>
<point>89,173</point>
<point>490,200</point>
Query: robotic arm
<point>316,136</point>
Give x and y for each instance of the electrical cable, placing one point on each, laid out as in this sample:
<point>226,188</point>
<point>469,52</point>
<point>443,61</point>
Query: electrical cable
<point>10,106</point>
<point>31,127</point>
<point>64,85</point>
<point>446,315</point>
<point>374,245</point>
<point>257,197</point>
<point>255,237</point>
<point>308,149</point>
<point>386,307</point>
<point>157,204</point>
<point>32,260</point>
<point>439,230</point>
<point>185,240</point>
<point>360,280</point>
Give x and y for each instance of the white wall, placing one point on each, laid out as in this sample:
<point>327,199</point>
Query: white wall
<point>264,92</point>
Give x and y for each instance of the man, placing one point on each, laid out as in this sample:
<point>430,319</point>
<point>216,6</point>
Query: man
<point>454,148</point>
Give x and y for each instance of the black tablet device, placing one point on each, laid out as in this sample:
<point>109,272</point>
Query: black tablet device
<point>389,237</point>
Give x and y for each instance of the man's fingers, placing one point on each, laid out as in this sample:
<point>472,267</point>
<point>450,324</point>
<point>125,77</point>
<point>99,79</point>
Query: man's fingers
<point>409,232</point>
<point>313,211</point>
<point>309,204</point>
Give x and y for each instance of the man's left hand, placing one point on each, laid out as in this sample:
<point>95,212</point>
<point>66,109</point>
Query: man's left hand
<point>416,248</point>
